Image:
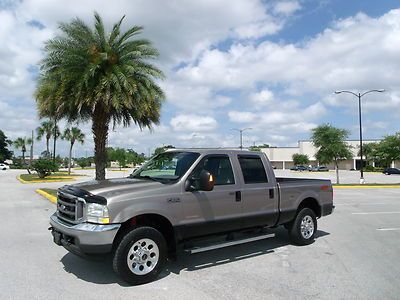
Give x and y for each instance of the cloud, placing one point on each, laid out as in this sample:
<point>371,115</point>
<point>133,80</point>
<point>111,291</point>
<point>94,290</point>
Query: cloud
<point>286,7</point>
<point>262,98</point>
<point>192,122</point>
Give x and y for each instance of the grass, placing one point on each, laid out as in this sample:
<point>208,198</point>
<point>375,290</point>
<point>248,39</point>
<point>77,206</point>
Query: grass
<point>57,176</point>
<point>50,191</point>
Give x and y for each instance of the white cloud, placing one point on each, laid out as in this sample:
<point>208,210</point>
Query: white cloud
<point>242,116</point>
<point>286,7</point>
<point>192,122</point>
<point>262,98</point>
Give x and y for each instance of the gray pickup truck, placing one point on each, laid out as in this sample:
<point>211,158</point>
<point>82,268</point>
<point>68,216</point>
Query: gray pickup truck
<point>180,197</point>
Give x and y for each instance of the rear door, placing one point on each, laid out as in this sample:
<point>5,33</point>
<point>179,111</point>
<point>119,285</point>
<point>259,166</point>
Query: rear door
<point>259,193</point>
<point>219,210</point>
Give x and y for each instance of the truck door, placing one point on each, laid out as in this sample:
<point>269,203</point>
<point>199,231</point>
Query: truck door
<point>207,212</point>
<point>259,193</point>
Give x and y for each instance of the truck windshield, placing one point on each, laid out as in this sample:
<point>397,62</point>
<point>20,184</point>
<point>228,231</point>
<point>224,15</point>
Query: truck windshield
<point>166,166</point>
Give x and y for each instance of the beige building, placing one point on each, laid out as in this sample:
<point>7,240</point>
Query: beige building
<point>281,157</point>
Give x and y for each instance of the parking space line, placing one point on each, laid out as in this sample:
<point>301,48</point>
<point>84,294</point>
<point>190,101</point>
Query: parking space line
<point>388,229</point>
<point>349,204</point>
<point>376,213</point>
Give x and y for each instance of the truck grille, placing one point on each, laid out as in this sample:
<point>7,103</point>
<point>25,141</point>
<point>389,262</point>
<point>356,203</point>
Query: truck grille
<point>69,208</point>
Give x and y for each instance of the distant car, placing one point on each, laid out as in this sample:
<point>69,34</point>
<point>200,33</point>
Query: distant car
<point>319,169</point>
<point>298,168</point>
<point>4,166</point>
<point>390,171</point>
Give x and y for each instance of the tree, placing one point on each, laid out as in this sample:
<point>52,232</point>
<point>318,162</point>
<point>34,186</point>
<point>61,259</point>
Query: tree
<point>370,151</point>
<point>132,157</point>
<point>254,148</point>
<point>47,130</point>
<point>331,145</point>
<point>388,149</point>
<point>300,159</point>
<point>162,149</point>
<point>44,167</point>
<point>72,135</point>
<point>83,162</point>
<point>22,143</point>
<point>120,157</point>
<point>107,79</point>
<point>4,143</point>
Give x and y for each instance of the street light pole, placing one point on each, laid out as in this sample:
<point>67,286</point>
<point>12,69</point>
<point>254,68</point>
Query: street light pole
<point>241,134</point>
<point>359,96</point>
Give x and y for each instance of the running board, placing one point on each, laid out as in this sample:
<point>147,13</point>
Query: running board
<point>230,243</point>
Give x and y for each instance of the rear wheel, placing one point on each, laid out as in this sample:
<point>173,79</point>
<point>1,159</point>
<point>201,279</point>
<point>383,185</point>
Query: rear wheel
<point>302,230</point>
<point>140,256</point>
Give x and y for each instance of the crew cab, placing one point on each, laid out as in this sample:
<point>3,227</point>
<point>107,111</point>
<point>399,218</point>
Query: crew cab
<point>181,196</point>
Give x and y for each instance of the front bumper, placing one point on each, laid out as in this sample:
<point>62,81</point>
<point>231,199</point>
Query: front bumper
<point>84,238</point>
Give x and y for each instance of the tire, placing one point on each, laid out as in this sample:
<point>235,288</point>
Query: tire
<point>302,230</point>
<point>140,256</point>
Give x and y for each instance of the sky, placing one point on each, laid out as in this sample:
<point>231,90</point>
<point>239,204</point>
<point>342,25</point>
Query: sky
<point>271,66</point>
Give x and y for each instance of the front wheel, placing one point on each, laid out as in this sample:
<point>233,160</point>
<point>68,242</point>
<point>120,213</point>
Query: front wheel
<point>302,230</point>
<point>140,256</point>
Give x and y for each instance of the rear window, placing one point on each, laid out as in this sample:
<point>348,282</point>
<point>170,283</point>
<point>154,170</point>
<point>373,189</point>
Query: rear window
<point>252,169</point>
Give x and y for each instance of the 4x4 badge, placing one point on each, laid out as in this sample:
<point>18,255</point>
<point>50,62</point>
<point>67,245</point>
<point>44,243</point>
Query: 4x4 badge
<point>173,200</point>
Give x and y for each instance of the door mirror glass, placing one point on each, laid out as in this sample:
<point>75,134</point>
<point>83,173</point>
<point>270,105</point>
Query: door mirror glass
<point>205,182</point>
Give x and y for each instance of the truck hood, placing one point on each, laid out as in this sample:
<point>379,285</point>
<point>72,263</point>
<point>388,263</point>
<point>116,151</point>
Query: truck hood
<point>113,187</point>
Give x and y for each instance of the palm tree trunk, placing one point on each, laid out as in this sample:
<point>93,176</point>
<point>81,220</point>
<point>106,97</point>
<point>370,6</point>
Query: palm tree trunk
<point>100,135</point>
<point>47,146</point>
<point>69,159</point>
<point>23,157</point>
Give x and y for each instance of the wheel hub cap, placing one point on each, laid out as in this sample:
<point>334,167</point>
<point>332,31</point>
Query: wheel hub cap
<point>143,256</point>
<point>307,227</point>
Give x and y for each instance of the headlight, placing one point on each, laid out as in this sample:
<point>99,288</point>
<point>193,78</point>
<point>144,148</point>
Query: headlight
<point>97,213</point>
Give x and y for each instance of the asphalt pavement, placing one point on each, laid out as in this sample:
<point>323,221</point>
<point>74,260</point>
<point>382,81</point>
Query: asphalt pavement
<point>356,255</point>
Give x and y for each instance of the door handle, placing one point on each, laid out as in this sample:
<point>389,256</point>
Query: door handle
<point>238,196</point>
<point>271,193</point>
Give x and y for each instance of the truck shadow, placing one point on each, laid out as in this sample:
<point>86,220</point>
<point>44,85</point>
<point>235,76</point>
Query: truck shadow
<point>101,271</point>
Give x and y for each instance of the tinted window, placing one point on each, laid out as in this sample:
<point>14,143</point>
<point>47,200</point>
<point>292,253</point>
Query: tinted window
<point>252,169</point>
<point>219,166</point>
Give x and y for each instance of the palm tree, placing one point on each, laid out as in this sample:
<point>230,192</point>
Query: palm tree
<point>22,143</point>
<point>47,129</point>
<point>88,75</point>
<point>72,135</point>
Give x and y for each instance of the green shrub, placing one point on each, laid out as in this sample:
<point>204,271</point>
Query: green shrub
<point>44,167</point>
<point>369,169</point>
<point>83,162</point>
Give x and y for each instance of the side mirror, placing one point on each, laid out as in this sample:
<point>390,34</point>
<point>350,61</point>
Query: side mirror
<point>206,181</point>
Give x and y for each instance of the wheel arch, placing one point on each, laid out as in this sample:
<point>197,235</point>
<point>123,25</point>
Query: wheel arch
<point>157,221</point>
<point>312,204</point>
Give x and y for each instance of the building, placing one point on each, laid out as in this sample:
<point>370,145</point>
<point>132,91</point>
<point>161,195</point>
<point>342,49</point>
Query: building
<point>281,157</point>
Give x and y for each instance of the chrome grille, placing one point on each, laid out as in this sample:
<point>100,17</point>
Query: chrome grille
<point>70,208</point>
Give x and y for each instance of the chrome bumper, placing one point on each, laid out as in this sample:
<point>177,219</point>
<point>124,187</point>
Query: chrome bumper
<point>85,237</point>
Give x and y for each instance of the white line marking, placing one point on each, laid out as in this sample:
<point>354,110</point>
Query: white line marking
<point>377,213</point>
<point>349,204</point>
<point>388,229</point>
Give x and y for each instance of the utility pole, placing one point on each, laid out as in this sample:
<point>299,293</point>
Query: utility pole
<point>359,96</point>
<point>241,134</point>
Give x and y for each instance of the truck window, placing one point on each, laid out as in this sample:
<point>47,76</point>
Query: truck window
<point>219,166</point>
<point>253,169</point>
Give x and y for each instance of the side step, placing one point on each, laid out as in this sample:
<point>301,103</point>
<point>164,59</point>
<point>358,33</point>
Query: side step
<point>229,243</point>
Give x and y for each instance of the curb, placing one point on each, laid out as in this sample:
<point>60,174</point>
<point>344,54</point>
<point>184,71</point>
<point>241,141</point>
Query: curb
<point>367,186</point>
<point>48,196</point>
<point>44,181</point>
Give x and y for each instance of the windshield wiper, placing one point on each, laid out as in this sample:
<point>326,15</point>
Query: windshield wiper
<point>145,177</point>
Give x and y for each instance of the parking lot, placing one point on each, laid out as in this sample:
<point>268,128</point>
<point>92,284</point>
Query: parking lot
<point>356,254</point>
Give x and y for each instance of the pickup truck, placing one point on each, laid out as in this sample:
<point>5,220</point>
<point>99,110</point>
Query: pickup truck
<point>181,196</point>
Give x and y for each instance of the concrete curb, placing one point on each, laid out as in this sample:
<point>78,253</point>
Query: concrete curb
<point>48,196</point>
<point>365,186</point>
<point>44,181</point>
